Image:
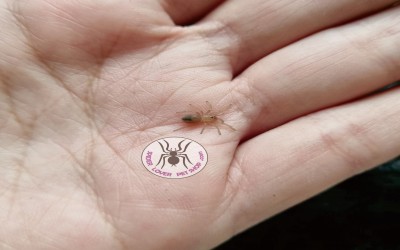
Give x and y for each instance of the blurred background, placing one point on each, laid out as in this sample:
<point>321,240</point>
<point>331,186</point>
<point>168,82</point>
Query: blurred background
<point>361,213</point>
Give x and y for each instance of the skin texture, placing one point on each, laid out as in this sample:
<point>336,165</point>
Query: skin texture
<point>86,85</point>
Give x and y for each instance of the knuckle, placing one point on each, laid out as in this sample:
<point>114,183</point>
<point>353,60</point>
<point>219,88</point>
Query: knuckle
<point>348,143</point>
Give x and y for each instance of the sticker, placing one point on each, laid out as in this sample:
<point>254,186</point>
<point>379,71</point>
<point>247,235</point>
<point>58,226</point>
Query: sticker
<point>174,157</point>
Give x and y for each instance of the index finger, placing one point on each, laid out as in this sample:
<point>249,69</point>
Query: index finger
<point>259,27</point>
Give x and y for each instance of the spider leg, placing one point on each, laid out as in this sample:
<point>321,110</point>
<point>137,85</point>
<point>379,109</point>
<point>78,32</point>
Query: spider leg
<point>162,157</point>
<point>162,147</point>
<point>164,160</point>
<point>205,125</point>
<point>183,160</point>
<point>187,158</point>
<point>224,110</point>
<point>209,107</point>
<point>184,112</point>
<point>223,123</point>
<point>180,147</point>
<point>168,149</point>
<point>178,129</point>
<point>229,126</point>
<point>219,131</point>
<point>195,108</point>
<point>184,150</point>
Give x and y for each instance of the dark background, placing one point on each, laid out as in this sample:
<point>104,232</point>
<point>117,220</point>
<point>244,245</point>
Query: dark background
<point>361,213</point>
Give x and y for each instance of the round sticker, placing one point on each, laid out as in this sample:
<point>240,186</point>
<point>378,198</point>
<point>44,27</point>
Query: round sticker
<point>174,157</point>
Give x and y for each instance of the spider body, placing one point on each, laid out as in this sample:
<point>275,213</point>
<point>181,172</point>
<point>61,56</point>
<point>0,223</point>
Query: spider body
<point>199,117</point>
<point>207,118</point>
<point>173,156</point>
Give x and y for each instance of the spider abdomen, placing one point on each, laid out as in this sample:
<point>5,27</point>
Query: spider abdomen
<point>173,160</point>
<point>191,118</point>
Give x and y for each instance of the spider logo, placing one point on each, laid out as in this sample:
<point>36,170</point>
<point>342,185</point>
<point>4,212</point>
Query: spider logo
<point>174,155</point>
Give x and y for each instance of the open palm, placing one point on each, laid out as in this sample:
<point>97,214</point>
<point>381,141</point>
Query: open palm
<point>87,85</point>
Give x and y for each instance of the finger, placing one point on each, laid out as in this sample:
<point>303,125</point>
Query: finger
<point>291,163</point>
<point>184,12</point>
<point>266,26</point>
<point>325,69</point>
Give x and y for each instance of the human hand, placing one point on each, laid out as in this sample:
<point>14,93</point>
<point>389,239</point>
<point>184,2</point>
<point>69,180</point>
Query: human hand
<point>86,85</point>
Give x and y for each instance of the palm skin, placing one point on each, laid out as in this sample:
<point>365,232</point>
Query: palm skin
<point>85,87</point>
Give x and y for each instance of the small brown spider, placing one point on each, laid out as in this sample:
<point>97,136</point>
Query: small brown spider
<point>208,118</point>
